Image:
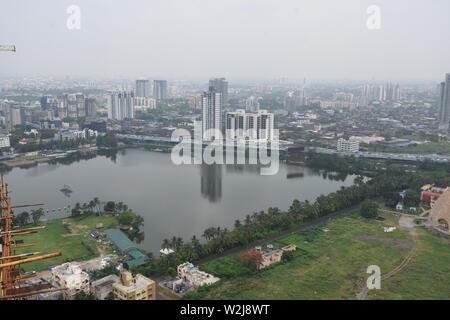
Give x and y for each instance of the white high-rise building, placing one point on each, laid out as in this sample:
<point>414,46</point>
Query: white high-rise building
<point>142,88</point>
<point>121,105</point>
<point>258,126</point>
<point>212,106</point>
<point>444,104</point>
<point>350,145</point>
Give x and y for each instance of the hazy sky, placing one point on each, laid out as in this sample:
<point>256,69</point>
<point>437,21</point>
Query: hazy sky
<point>316,39</point>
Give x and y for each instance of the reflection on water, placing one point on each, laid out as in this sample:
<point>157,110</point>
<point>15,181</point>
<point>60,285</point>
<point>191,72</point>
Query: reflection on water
<point>211,181</point>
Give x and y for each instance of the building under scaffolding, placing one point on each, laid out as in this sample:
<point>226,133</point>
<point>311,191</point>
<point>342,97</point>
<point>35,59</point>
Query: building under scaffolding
<point>12,280</point>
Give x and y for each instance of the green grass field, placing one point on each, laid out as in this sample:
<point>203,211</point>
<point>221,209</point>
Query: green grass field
<point>68,236</point>
<point>332,265</point>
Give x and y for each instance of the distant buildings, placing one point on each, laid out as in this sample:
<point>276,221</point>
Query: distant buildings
<point>70,276</point>
<point>350,145</point>
<point>4,141</point>
<point>444,104</point>
<point>381,93</point>
<point>160,90</point>
<point>252,104</point>
<point>134,288</point>
<point>212,106</point>
<point>144,103</point>
<point>241,125</point>
<point>91,108</point>
<point>220,85</point>
<point>121,105</point>
<point>142,89</point>
<point>71,134</point>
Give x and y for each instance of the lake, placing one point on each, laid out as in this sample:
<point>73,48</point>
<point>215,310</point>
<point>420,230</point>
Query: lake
<point>174,200</point>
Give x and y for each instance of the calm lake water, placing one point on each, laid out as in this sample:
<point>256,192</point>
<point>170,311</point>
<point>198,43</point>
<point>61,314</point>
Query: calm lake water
<point>174,200</point>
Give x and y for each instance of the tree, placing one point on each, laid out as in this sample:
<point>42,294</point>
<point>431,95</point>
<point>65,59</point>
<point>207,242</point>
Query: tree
<point>22,219</point>
<point>84,296</point>
<point>252,258</point>
<point>412,198</point>
<point>126,218</point>
<point>369,209</point>
<point>36,215</point>
<point>110,206</point>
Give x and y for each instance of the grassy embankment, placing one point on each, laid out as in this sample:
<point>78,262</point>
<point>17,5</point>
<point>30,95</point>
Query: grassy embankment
<point>332,265</point>
<point>70,236</point>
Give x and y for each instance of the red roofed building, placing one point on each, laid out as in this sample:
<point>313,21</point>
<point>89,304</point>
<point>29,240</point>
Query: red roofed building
<point>430,197</point>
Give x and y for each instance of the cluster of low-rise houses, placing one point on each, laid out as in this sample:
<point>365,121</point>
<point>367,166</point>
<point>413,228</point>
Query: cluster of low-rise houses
<point>73,279</point>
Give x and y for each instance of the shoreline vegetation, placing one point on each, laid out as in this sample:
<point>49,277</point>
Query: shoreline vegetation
<point>72,235</point>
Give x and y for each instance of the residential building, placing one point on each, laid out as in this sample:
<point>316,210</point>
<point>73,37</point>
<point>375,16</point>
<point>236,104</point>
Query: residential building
<point>134,288</point>
<point>121,105</point>
<point>220,85</point>
<point>212,106</point>
<point>160,90</point>
<point>144,103</point>
<point>193,277</point>
<point>274,255</point>
<point>241,125</point>
<point>91,108</point>
<point>70,275</point>
<point>4,141</point>
<point>252,104</point>
<point>350,145</point>
<point>444,104</point>
<point>104,286</point>
<point>142,88</point>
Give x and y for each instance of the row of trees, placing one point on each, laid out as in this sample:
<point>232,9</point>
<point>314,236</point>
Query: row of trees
<point>25,218</point>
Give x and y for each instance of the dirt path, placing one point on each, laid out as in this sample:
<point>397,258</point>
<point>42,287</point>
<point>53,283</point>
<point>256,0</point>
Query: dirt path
<point>406,222</point>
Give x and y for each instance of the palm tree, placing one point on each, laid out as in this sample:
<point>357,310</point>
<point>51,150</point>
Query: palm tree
<point>165,244</point>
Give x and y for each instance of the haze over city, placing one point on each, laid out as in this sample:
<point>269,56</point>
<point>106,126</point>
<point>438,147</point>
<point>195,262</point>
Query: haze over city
<point>238,39</point>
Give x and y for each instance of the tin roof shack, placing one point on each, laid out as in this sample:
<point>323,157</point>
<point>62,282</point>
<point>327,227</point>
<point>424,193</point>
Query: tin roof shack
<point>274,255</point>
<point>193,277</point>
<point>134,288</point>
<point>104,286</point>
<point>71,276</point>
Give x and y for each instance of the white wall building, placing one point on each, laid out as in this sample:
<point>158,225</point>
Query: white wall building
<point>212,105</point>
<point>4,141</point>
<point>350,145</point>
<point>241,125</point>
<point>70,275</point>
<point>121,105</point>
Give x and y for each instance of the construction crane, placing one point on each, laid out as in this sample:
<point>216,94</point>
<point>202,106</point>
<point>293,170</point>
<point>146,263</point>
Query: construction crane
<point>7,48</point>
<point>11,286</point>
